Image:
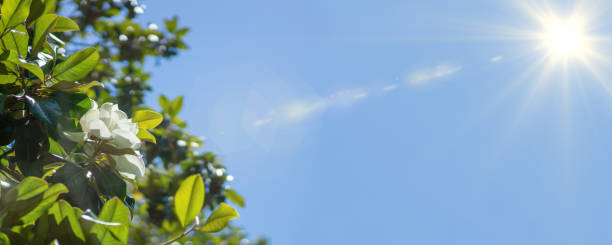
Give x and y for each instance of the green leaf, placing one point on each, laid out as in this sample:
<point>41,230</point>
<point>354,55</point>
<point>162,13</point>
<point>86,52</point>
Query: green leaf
<point>219,218</point>
<point>37,111</point>
<point>75,104</point>
<point>81,194</point>
<point>50,23</point>
<point>164,103</point>
<point>31,187</point>
<point>77,66</point>
<point>56,148</point>
<point>109,183</point>
<point>4,240</point>
<point>10,57</point>
<point>16,39</point>
<point>189,199</point>
<point>147,119</point>
<point>234,197</point>
<point>75,87</point>
<point>64,214</point>
<point>176,106</point>
<point>49,197</point>
<point>143,134</point>
<point>40,7</point>
<point>114,212</point>
<point>14,12</point>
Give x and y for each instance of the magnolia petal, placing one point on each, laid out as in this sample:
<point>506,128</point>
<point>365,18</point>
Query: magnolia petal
<point>92,114</point>
<point>106,110</point>
<point>99,129</point>
<point>128,125</point>
<point>125,139</point>
<point>129,165</point>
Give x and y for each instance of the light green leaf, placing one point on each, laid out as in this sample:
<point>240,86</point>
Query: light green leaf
<point>50,23</point>
<point>234,197</point>
<point>164,103</point>
<point>4,240</point>
<point>40,7</point>
<point>61,211</point>
<point>49,197</point>
<point>113,212</point>
<point>219,218</point>
<point>75,87</point>
<point>14,12</point>
<point>30,187</point>
<point>16,39</point>
<point>147,119</point>
<point>56,148</point>
<point>77,66</point>
<point>176,106</point>
<point>189,199</point>
<point>143,134</point>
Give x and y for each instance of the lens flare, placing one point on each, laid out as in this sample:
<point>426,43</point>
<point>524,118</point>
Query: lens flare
<point>565,38</point>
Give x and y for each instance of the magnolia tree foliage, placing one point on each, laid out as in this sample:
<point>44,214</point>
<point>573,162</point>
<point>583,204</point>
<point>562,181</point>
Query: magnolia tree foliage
<point>82,160</point>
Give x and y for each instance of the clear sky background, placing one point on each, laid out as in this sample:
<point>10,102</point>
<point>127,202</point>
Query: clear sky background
<point>399,122</point>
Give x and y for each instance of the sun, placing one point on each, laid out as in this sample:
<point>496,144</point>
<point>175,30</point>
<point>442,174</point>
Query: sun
<point>565,38</point>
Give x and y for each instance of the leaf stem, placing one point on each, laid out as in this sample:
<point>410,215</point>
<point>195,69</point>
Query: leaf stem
<point>195,226</point>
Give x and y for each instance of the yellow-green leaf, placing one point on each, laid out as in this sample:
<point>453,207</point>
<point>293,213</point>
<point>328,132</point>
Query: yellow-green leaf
<point>31,187</point>
<point>50,23</point>
<point>143,134</point>
<point>113,212</point>
<point>77,66</point>
<point>147,119</point>
<point>14,12</point>
<point>49,197</point>
<point>234,197</point>
<point>219,218</point>
<point>16,39</point>
<point>189,199</point>
<point>61,211</point>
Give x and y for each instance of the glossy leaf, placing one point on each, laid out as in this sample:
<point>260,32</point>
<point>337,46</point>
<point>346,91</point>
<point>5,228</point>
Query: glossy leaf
<point>147,119</point>
<point>77,66</point>
<point>37,111</point>
<point>219,218</point>
<point>109,183</point>
<point>50,23</point>
<point>189,199</point>
<point>14,12</point>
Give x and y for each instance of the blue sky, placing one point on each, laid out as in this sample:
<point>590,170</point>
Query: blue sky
<point>399,122</point>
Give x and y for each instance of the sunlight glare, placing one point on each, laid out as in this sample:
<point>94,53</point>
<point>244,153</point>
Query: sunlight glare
<point>564,38</point>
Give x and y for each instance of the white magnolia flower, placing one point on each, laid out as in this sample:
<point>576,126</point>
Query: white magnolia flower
<point>113,126</point>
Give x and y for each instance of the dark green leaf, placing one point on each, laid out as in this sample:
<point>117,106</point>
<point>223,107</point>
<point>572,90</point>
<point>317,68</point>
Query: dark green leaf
<point>109,183</point>
<point>37,111</point>
<point>10,57</point>
<point>81,194</point>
